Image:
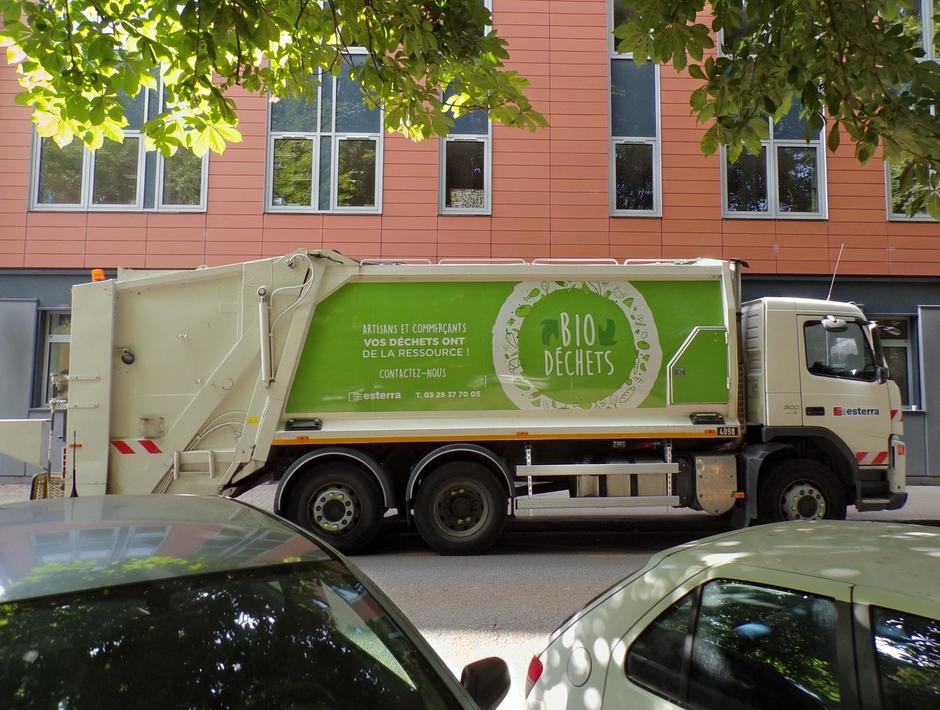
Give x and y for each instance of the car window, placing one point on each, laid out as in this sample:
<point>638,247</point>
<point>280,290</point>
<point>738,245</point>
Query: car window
<point>293,635</point>
<point>654,660</point>
<point>907,647</point>
<point>762,647</point>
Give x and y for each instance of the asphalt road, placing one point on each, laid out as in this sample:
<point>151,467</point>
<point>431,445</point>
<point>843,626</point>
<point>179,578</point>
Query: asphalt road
<point>506,602</point>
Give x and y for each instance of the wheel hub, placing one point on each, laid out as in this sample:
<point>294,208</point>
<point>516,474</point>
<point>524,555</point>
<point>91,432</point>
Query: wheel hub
<point>803,501</point>
<point>334,508</point>
<point>461,510</point>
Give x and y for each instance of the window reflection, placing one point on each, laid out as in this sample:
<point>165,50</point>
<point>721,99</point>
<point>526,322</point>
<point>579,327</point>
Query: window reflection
<point>301,635</point>
<point>907,647</point>
<point>762,647</point>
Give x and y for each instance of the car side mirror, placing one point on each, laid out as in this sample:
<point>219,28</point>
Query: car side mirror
<point>487,681</point>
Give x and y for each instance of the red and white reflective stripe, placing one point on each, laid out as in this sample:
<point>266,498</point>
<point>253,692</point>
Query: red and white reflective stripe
<point>129,447</point>
<point>871,458</point>
<point>895,414</point>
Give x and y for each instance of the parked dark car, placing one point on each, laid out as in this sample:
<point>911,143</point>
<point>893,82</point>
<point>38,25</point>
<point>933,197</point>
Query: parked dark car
<point>192,602</point>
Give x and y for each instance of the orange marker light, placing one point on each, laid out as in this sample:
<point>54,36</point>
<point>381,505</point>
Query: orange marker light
<point>97,274</point>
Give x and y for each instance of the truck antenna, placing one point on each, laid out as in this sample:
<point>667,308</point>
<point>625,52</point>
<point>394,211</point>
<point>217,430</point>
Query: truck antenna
<point>835,271</point>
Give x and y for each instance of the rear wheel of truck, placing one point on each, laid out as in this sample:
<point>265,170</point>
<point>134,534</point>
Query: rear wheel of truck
<point>340,503</point>
<point>460,508</point>
<point>800,489</point>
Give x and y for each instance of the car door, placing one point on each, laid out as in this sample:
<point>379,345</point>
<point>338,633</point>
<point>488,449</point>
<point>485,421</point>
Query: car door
<point>841,391</point>
<point>755,638</point>
<point>898,650</point>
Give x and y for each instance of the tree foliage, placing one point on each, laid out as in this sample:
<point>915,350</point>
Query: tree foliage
<point>861,64</point>
<point>80,60</point>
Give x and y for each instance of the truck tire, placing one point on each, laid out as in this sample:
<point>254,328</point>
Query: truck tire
<point>460,508</point>
<point>800,489</point>
<point>339,503</point>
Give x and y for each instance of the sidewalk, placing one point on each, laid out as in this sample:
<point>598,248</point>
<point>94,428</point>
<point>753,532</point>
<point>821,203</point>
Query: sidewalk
<point>923,503</point>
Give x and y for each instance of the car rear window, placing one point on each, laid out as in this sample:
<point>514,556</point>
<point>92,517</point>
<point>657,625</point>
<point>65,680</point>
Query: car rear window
<point>300,635</point>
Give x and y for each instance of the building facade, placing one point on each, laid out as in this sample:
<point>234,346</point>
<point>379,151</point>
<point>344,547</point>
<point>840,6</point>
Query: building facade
<point>617,174</point>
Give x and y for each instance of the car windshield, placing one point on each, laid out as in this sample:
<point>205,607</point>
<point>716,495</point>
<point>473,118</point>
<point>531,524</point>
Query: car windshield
<point>303,635</point>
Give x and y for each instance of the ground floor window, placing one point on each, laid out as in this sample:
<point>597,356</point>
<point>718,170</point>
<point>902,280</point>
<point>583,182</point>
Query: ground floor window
<point>896,344</point>
<point>56,343</point>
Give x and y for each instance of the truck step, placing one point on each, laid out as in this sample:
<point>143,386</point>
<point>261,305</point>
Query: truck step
<point>595,502</point>
<point>597,469</point>
<point>207,462</point>
<point>872,504</point>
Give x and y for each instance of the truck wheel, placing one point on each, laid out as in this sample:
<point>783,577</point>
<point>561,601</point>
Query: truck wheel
<point>800,490</point>
<point>340,503</point>
<point>460,509</point>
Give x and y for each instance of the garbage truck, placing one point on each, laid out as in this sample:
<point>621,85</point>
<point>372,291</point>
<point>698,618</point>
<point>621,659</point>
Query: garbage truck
<point>456,394</point>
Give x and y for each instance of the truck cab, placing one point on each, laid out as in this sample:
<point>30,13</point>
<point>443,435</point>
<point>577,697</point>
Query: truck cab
<point>817,384</point>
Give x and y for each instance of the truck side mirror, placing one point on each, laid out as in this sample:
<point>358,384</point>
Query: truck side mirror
<point>833,324</point>
<point>882,374</point>
<point>487,681</point>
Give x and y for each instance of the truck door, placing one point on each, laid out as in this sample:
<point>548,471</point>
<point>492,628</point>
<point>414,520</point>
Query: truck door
<point>840,387</point>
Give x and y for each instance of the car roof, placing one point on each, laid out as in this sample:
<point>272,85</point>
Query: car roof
<point>896,557</point>
<point>58,546</point>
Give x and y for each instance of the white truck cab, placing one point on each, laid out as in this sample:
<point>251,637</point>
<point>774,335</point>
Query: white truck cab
<point>815,373</point>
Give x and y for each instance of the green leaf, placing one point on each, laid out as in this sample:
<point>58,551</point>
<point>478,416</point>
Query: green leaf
<point>832,142</point>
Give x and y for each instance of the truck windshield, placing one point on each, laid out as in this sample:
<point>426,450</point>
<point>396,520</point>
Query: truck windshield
<point>845,354</point>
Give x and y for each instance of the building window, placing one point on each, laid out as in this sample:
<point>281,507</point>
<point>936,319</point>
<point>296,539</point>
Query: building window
<point>635,180</point>
<point>325,153</point>
<point>118,176</point>
<point>911,13</point>
<point>895,336</point>
<point>56,343</point>
<point>465,165</point>
<point>787,178</point>
<point>466,157</point>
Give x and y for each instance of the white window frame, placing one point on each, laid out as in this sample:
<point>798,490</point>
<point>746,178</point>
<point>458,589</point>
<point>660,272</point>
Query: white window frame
<point>487,141</point>
<point>773,186</point>
<point>614,141</point>
<point>927,37</point>
<point>88,178</point>
<point>317,138</point>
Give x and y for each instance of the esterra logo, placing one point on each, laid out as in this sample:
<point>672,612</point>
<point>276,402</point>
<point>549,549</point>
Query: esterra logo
<point>855,412</point>
<point>576,344</point>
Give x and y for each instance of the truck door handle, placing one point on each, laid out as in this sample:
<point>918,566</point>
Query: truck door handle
<point>815,411</point>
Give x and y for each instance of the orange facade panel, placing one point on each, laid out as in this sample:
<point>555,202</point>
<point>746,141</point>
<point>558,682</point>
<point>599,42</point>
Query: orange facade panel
<point>550,190</point>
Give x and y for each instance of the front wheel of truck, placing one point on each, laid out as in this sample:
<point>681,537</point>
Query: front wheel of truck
<point>340,503</point>
<point>460,508</point>
<point>800,489</point>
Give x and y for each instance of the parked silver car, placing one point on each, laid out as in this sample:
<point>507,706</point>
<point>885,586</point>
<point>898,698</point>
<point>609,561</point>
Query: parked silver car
<point>190,602</point>
<point>815,615</point>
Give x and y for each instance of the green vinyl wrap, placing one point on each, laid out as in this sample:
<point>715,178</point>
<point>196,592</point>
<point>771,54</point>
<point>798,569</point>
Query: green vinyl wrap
<point>511,345</point>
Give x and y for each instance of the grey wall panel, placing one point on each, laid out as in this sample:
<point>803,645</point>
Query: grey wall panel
<point>53,289</point>
<point>18,323</point>
<point>915,439</point>
<point>876,295</point>
<point>928,329</point>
